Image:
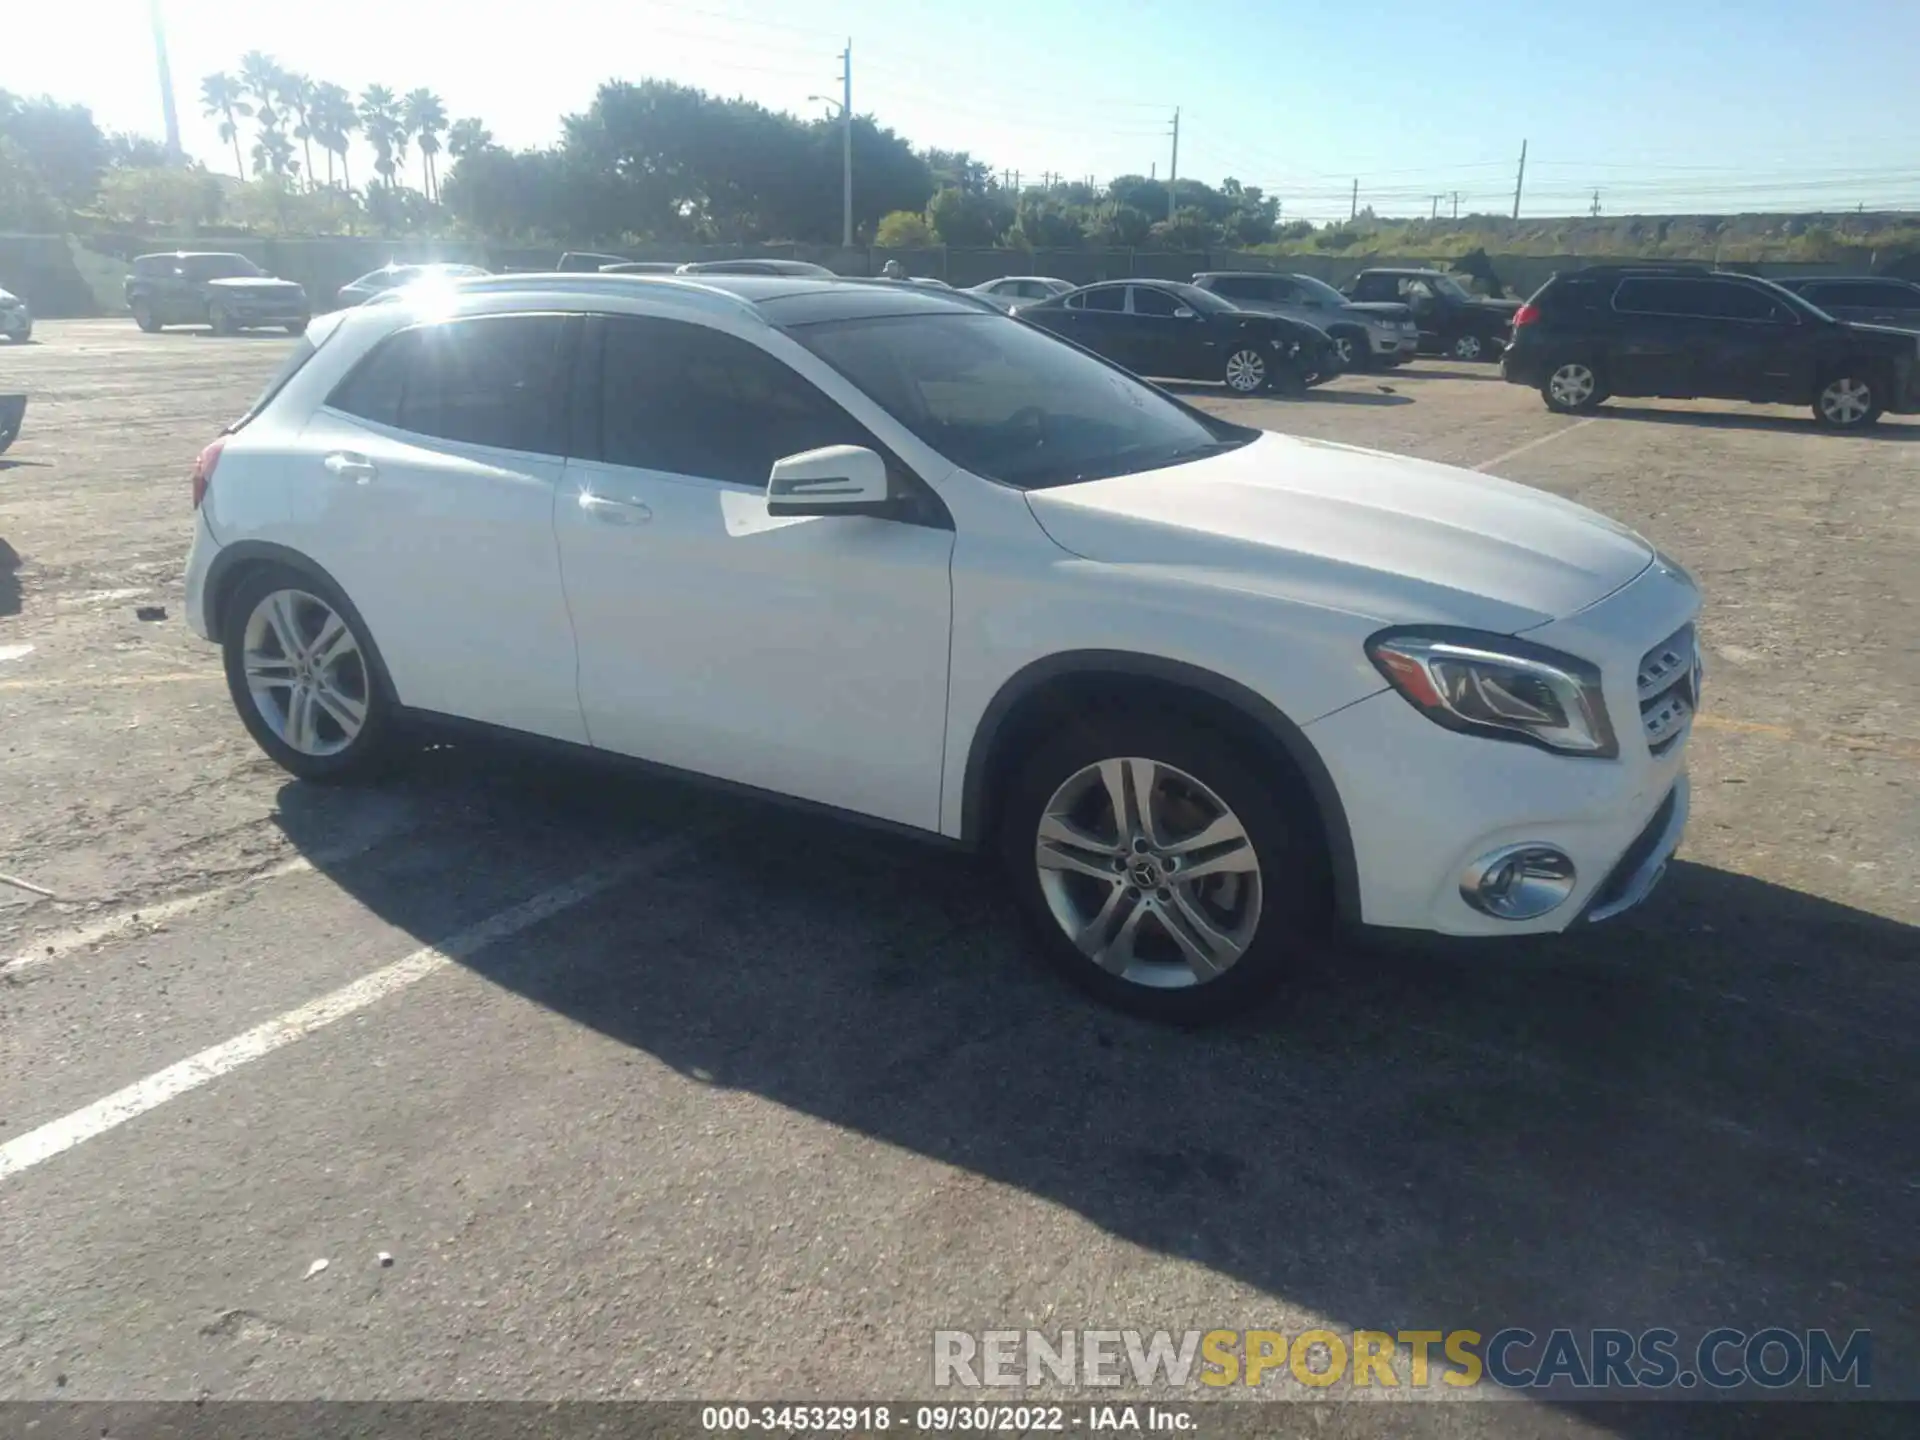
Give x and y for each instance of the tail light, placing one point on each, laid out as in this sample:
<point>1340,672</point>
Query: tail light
<point>1526,315</point>
<point>203,470</point>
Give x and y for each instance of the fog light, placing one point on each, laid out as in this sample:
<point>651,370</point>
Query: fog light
<point>1518,882</point>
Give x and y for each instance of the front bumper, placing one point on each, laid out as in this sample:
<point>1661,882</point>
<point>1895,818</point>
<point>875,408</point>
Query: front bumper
<point>244,310</point>
<point>16,324</point>
<point>1391,342</point>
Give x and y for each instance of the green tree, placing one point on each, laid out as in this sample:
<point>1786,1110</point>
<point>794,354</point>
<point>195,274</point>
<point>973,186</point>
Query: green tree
<point>968,217</point>
<point>1047,225</point>
<point>468,137</point>
<point>60,143</point>
<point>167,196</point>
<point>25,201</point>
<point>426,118</point>
<point>262,78</point>
<point>127,151</point>
<point>904,230</point>
<point>334,120</point>
<point>380,119</point>
<point>297,95</point>
<point>222,96</point>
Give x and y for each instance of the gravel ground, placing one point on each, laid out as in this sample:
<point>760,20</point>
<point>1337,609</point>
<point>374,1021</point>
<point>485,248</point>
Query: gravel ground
<point>756,1105</point>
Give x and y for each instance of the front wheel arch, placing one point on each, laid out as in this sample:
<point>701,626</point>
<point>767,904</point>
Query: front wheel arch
<point>1052,691</point>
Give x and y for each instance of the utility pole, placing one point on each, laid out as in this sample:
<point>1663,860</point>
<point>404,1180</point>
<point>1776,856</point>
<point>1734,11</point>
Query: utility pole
<point>1436,207</point>
<point>1353,210</point>
<point>846,145</point>
<point>1519,179</point>
<point>1596,204</point>
<point>1456,204</point>
<point>1173,170</point>
<point>169,114</point>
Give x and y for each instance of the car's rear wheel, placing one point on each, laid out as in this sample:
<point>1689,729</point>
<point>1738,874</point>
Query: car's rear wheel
<point>144,317</point>
<point>219,319</point>
<point>297,327</point>
<point>304,676</point>
<point>1162,872</point>
<point>1849,399</point>
<point>1246,371</point>
<point>1572,387</point>
<point>1467,347</point>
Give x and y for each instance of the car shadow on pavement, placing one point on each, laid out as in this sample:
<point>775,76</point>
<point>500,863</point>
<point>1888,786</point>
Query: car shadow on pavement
<point>1429,372</point>
<point>1741,420</point>
<point>1701,1114</point>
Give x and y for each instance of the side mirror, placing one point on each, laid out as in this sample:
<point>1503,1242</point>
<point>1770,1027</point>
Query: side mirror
<point>833,480</point>
<point>1181,312</point>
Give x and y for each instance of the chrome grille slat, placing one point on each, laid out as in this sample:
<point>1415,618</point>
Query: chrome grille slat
<point>1667,689</point>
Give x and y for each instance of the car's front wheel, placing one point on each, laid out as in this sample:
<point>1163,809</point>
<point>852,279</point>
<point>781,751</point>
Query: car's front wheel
<point>1246,371</point>
<point>1163,873</point>
<point>144,317</point>
<point>1354,349</point>
<point>1467,347</point>
<point>219,319</point>
<point>1572,387</point>
<point>1849,399</point>
<point>303,674</point>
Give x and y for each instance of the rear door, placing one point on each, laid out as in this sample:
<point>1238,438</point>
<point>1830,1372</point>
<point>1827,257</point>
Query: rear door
<point>1101,323</point>
<point>435,465</point>
<point>1161,339</point>
<point>1650,350</point>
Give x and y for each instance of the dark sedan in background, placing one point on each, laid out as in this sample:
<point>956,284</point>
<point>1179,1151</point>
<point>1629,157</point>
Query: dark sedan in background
<point>1174,331</point>
<point>1879,300</point>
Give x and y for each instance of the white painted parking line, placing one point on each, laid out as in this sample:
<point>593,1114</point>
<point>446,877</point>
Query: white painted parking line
<point>178,1079</point>
<point>1534,444</point>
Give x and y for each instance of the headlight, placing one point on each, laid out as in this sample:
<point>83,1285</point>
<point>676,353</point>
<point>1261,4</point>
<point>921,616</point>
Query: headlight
<point>1497,686</point>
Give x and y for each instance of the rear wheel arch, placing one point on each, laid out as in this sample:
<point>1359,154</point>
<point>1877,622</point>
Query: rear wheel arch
<point>1053,691</point>
<point>235,562</point>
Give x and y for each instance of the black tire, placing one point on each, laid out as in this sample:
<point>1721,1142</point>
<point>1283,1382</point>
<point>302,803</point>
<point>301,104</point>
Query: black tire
<point>1561,389</point>
<point>1850,397</point>
<point>369,751</point>
<point>1470,347</point>
<point>1276,820</point>
<point>1246,363</point>
<point>144,317</point>
<point>297,327</point>
<point>1355,349</point>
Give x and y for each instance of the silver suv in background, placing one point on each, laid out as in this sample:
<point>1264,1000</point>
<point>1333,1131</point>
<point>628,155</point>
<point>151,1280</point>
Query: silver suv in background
<point>1369,336</point>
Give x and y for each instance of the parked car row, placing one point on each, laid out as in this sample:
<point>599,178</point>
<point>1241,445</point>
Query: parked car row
<point>1688,332</point>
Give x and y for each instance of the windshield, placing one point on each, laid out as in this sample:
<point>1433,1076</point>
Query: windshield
<point>219,267</point>
<point>1794,300</point>
<point>1012,403</point>
<point>1318,290</point>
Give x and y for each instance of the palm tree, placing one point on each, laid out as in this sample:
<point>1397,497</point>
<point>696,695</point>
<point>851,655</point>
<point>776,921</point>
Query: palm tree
<point>296,93</point>
<point>262,77</point>
<point>221,95</point>
<point>380,119</point>
<point>426,117</point>
<point>334,121</point>
<point>468,137</point>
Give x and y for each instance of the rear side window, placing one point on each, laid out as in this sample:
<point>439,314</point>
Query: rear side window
<point>1153,302</point>
<point>1880,295</point>
<point>1113,298</point>
<point>689,400</point>
<point>1699,299</point>
<point>493,380</point>
<point>1238,287</point>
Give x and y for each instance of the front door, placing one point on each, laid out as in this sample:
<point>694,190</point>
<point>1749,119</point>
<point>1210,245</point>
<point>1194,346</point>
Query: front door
<point>436,463</point>
<point>1751,345</point>
<point>805,655</point>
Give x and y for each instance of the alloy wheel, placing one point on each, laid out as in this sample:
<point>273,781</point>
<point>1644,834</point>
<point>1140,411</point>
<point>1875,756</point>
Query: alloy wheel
<point>305,672</point>
<point>1343,346</point>
<point>1467,347</point>
<point>1572,385</point>
<point>1846,401</point>
<point>1148,873</point>
<point>1246,371</point>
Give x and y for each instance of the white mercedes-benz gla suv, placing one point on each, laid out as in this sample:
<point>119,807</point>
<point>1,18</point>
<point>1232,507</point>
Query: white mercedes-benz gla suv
<point>881,550</point>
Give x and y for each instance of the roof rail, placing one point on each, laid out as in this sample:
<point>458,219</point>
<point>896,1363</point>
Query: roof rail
<point>682,288</point>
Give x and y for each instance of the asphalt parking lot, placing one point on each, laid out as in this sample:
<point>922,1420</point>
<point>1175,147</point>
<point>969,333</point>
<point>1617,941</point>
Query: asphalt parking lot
<point>648,1093</point>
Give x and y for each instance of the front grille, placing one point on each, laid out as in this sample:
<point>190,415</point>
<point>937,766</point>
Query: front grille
<point>1669,689</point>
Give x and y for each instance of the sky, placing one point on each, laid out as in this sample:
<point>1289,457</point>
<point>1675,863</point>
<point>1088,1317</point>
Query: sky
<point>1663,106</point>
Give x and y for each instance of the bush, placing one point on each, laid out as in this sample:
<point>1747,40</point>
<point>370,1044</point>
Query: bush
<point>172,198</point>
<point>904,230</point>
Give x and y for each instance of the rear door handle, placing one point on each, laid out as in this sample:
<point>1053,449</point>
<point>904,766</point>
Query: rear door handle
<point>609,511</point>
<point>344,465</point>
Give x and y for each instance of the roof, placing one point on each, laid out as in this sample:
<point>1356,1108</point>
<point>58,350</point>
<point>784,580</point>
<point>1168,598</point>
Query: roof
<point>778,299</point>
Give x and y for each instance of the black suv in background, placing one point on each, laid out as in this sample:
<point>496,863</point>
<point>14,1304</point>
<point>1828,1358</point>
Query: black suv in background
<point>1452,319</point>
<point>1877,299</point>
<point>1686,332</point>
<point>228,292</point>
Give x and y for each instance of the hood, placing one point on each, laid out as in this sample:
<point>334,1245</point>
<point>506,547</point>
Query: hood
<point>1399,540</point>
<point>253,282</point>
<point>7,297</point>
<point>1385,309</point>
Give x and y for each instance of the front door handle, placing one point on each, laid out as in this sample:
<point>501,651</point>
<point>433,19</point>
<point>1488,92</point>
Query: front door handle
<point>345,465</point>
<point>609,511</point>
